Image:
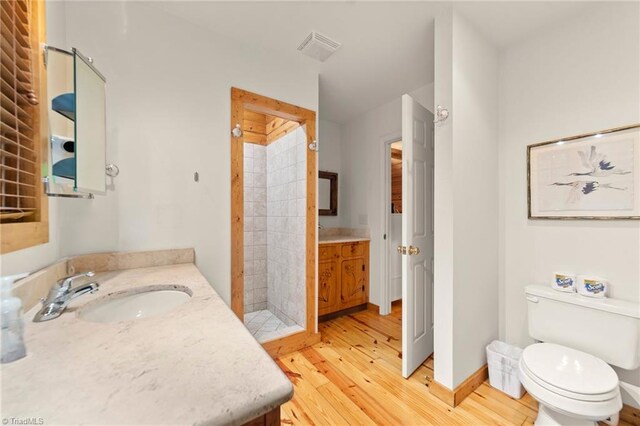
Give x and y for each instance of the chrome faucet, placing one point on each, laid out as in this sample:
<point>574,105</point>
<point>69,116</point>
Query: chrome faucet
<point>61,294</point>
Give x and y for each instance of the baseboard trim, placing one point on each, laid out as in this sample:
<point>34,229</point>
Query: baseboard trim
<point>338,314</point>
<point>373,308</point>
<point>288,344</point>
<point>454,397</point>
<point>630,415</point>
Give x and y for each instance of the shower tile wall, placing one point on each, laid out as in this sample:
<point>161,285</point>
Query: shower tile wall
<point>286,227</point>
<point>255,228</point>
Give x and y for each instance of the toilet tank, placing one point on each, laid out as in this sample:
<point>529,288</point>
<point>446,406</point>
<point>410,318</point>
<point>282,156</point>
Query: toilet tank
<point>606,328</point>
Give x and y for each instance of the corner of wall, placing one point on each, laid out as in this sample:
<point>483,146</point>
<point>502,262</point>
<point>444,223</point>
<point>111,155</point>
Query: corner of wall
<point>466,240</point>
<point>443,202</point>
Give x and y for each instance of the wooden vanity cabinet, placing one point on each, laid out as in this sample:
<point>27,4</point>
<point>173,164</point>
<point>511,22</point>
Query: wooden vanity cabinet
<point>328,280</point>
<point>343,276</point>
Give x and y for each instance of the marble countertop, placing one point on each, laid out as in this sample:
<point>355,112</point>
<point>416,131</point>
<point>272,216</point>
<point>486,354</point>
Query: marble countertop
<point>197,364</point>
<point>333,239</point>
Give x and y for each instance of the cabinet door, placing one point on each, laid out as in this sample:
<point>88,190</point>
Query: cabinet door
<point>328,295</point>
<point>353,290</point>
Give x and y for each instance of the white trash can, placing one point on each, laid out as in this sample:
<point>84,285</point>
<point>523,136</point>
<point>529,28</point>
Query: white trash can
<point>503,359</point>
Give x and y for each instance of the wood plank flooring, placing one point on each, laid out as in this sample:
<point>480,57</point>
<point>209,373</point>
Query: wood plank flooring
<point>353,377</point>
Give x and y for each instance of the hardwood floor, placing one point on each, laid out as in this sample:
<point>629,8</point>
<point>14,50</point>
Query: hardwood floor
<point>353,376</point>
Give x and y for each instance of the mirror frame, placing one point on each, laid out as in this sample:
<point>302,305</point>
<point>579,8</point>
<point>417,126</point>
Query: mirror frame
<point>333,193</point>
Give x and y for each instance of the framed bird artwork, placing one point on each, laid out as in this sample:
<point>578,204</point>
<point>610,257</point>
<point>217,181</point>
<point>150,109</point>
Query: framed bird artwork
<point>590,176</point>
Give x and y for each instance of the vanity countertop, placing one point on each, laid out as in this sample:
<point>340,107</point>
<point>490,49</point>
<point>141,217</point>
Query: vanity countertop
<point>195,364</point>
<point>335,239</point>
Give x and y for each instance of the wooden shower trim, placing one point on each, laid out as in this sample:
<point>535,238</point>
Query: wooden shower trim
<point>242,101</point>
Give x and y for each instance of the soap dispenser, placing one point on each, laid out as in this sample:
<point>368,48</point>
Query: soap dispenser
<point>12,323</point>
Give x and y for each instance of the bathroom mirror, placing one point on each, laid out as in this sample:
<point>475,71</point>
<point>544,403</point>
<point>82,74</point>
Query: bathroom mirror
<point>77,119</point>
<point>90,126</point>
<point>327,193</point>
<point>62,147</point>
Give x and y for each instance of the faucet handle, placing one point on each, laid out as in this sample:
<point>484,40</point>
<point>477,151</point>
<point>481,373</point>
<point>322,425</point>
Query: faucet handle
<point>67,281</point>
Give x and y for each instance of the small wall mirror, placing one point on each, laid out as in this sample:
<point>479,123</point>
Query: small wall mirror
<point>327,194</point>
<point>77,118</point>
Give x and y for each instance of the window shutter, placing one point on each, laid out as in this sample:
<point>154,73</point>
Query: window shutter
<point>20,186</point>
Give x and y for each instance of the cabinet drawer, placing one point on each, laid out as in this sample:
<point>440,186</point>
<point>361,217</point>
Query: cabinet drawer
<point>352,249</point>
<point>326,252</point>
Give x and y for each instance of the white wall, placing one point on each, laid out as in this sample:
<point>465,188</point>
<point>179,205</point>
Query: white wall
<point>75,225</point>
<point>362,176</point>
<point>443,203</point>
<point>466,199</point>
<point>168,112</point>
<point>424,95</point>
<point>578,76</point>
<point>330,160</point>
<point>169,98</point>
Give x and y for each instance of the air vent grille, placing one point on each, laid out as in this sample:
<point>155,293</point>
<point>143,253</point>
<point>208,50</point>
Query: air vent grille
<point>318,46</point>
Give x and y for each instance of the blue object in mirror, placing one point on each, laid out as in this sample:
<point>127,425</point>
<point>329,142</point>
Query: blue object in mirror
<point>65,168</point>
<point>65,104</point>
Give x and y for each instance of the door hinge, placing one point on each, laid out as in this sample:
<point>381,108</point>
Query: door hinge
<point>363,267</point>
<point>363,287</point>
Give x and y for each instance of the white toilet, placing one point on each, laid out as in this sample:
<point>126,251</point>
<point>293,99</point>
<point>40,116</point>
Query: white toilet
<point>569,374</point>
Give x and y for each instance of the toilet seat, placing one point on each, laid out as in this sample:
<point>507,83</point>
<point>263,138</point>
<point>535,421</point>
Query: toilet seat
<point>569,381</point>
<point>569,372</point>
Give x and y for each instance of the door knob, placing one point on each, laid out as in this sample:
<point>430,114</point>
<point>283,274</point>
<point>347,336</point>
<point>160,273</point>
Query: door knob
<point>411,250</point>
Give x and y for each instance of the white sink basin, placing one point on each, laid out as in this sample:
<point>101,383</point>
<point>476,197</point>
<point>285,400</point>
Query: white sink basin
<point>136,303</point>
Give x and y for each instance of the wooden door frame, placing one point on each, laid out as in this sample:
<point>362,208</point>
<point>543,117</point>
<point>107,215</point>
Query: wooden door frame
<point>242,100</point>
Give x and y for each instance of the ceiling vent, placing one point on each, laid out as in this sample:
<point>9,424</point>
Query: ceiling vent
<point>318,47</point>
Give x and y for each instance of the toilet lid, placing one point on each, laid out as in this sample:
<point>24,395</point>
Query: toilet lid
<point>569,369</point>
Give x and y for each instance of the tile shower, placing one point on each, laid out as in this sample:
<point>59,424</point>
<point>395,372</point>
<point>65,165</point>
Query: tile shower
<point>255,227</point>
<point>275,228</point>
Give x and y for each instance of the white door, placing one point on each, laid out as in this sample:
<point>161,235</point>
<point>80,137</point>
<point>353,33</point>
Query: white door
<point>417,234</point>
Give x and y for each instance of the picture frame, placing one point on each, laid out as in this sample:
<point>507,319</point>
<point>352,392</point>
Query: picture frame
<point>593,176</point>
